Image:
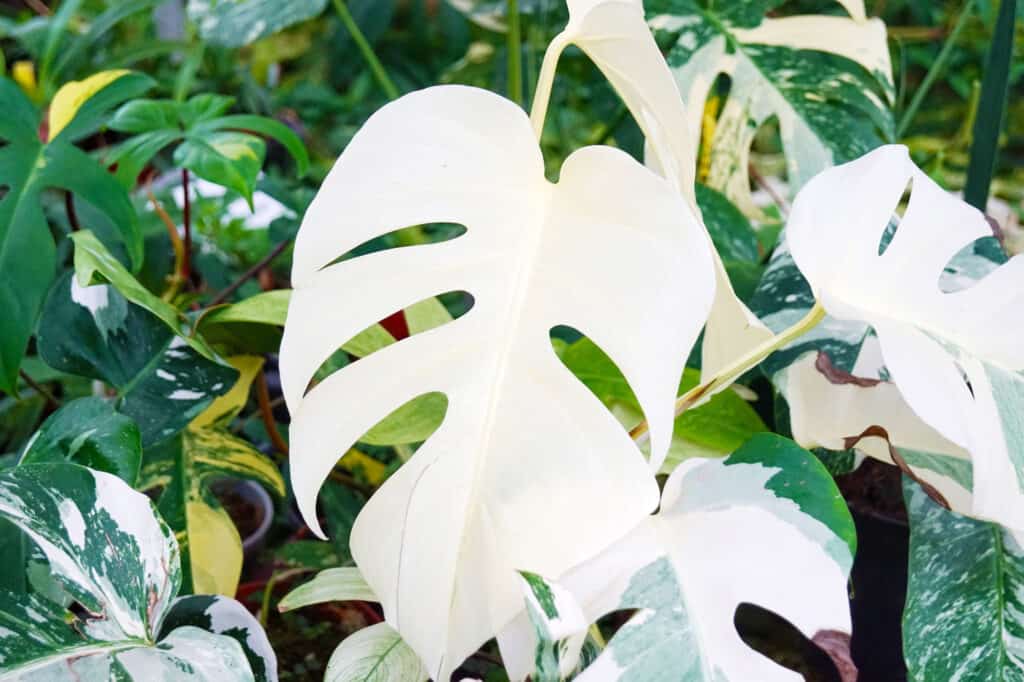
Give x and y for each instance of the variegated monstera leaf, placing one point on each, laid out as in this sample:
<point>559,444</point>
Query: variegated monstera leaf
<point>950,346</point>
<point>827,79</point>
<point>765,526</point>
<point>117,564</point>
<point>615,36</point>
<point>610,249</point>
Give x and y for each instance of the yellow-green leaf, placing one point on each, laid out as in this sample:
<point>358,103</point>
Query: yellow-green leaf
<point>225,407</point>
<point>70,98</point>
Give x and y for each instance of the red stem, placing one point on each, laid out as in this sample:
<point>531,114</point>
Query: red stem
<point>186,261</point>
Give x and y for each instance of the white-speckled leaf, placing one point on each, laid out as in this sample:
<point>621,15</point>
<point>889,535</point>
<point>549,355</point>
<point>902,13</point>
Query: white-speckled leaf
<point>234,23</point>
<point>964,617</point>
<point>614,35</point>
<point>765,525</point>
<point>611,249</point>
<point>374,654</point>
<point>560,627</point>
<point>826,78</point>
<point>954,355</point>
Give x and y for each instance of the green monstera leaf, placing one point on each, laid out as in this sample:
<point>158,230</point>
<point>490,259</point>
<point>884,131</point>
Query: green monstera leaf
<point>118,562</point>
<point>826,78</point>
<point>28,167</point>
<point>964,617</point>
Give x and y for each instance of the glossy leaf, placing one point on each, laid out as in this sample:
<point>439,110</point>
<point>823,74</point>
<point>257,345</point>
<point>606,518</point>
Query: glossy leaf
<point>522,261</point>
<point>241,22</point>
<point>27,251</point>
<point>90,432</point>
<point>374,654</point>
<point>226,158</point>
<point>788,546</point>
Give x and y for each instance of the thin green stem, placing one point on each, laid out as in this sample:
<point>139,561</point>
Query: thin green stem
<point>937,68</point>
<point>515,52</point>
<point>732,372</point>
<point>376,68</point>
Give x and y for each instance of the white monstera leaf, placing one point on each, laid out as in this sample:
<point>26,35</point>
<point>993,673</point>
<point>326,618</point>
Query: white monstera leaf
<point>954,355</point>
<point>116,560</point>
<point>614,34</point>
<point>827,79</point>
<point>610,249</point>
<point>765,526</point>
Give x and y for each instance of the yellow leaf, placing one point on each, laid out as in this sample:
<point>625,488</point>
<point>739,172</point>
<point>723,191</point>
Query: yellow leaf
<point>228,405</point>
<point>375,472</point>
<point>71,96</point>
<point>24,74</point>
<point>215,549</point>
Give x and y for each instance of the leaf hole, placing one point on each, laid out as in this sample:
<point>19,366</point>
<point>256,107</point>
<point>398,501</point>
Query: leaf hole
<point>413,235</point>
<point>776,638</point>
<point>897,217</point>
<point>971,264</point>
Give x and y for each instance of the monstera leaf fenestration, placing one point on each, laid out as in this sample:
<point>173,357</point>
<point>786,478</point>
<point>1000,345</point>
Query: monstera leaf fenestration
<point>611,249</point>
<point>614,35</point>
<point>827,79</point>
<point>118,562</point>
<point>764,526</point>
<point>952,349</point>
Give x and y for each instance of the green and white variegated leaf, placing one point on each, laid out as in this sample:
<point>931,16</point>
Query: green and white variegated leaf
<point>227,617</point>
<point>333,584</point>
<point>614,35</point>
<point>490,14</point>
<point>952,351</point>
<point>827,79</point>
<point>163,383</point>
<point>111,553</point>
<point>521,259</point>
<point>560,627</point>
<point>234,23</point>
<point>765,525</point>
<point>964,616</point>
<point>374,654</point>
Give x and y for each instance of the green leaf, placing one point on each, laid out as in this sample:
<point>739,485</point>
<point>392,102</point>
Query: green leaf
<point>186,467</point>
<point>374,654</point>
<point>98,28</point>
<point>241,22</point>
<point>119,562</point>
<point>90,432</point>
<point>162,382</point>
<point>226,158</point>
<point>227,617</point>
<point>991,109</point>
<point>333,584</point>
<point>262,126</point>
<point>27,251</point>
<point>965,611</point>
<point>80,108</point>
<point>146,115</point>
<point>827,79</point>
<point>733,235</point>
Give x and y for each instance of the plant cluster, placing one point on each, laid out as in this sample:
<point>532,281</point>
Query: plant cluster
<point>584,392</point>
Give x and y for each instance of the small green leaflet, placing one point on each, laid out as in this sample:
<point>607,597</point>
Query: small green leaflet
<point>827,79</point>
<point>119,562</point>
<point>964,617</point>
<point>332,584</point>
<point>374,654</point>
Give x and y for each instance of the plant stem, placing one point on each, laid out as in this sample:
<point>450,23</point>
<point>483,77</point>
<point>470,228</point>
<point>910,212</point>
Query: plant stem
<point>186,218</point>
<point>376,68</point>
<point>40,389</point>
<point>937,68</point>
<point>176,279</point>
<point>738,367</point>
<point>268,590</point>
<point>545,82</point>
<point>69,206</point>
<point>251,272</point>
<point>267,414</point>
<point>514,50</point>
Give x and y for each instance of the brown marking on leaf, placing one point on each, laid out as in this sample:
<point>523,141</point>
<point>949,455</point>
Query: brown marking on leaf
<point>837,645</point>
<point>876,431</point>
<point>838,376</point>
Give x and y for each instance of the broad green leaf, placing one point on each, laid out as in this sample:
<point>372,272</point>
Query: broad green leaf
<point>226,158</point>
<point>614,35</point>
<point>263,126</point>
<point>162,382</point>
<point>641,289</point>
<point>826,79</point>
<point>185,468</point>
<point>234,23</point>
<point>731,232</point>
<point>952,351</point>
<point>27,252</point>
<point>333,584</point>
<point>90,432</point>
<point>374,654</point>
<point>964,616</point>
<point>119,562</point>
<point>227,617</point>
<point>765,526</point>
